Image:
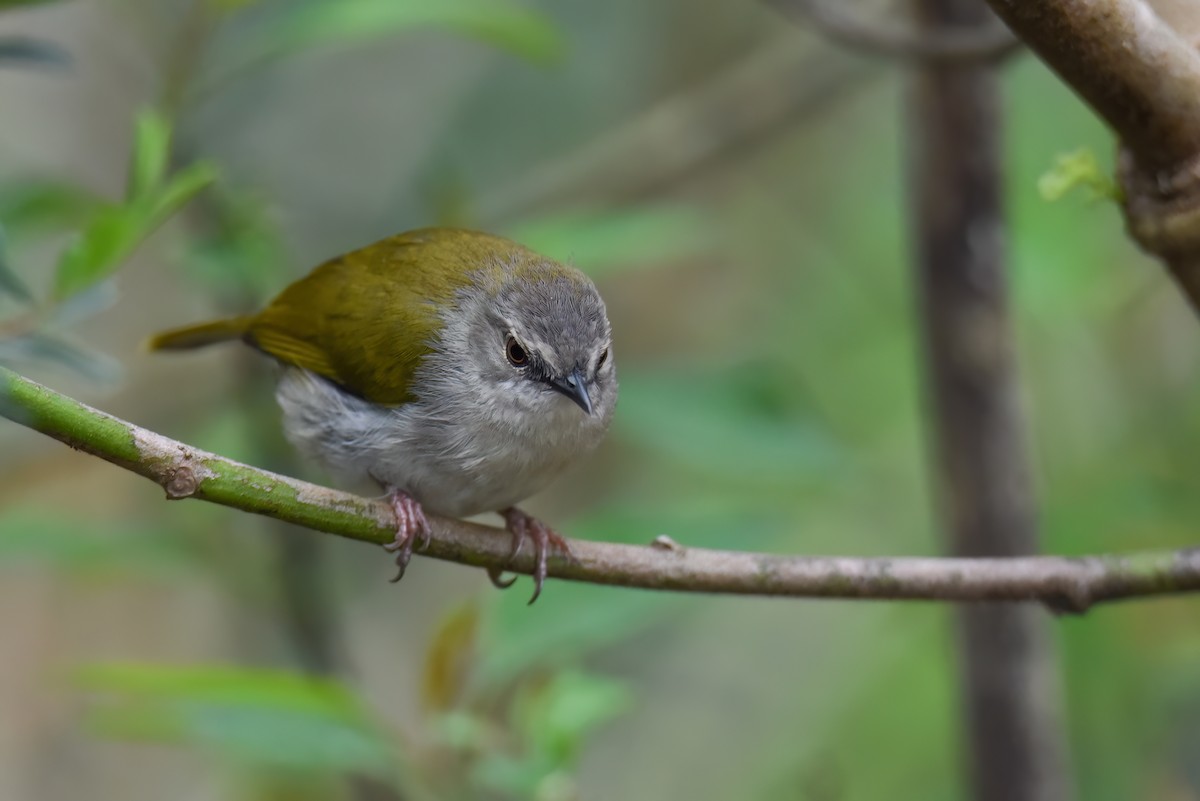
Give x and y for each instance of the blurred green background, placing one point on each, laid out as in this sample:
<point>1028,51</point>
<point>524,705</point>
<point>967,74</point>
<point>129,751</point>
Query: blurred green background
<point>736,186</point>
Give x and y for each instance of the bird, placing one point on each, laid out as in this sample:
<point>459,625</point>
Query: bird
<point>460,371</point>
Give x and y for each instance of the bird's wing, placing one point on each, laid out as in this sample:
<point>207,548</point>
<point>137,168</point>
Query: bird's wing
<point>365,320</point>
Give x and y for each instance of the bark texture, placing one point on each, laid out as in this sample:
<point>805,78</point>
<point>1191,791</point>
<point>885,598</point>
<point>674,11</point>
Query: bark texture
<point>1016,747</point>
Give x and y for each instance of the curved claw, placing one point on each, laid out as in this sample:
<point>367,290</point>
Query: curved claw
<point>518,529</point>
<point>412,528</point>
<point>495,573</point>
<point>522,525</point>
<point>402,565</point>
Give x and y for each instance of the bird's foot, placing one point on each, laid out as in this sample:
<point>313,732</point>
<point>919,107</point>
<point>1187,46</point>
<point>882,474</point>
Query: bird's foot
<point>522,527</point>
<point>411,528</point>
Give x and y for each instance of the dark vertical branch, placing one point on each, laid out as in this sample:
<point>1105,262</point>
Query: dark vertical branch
<point>1009,677</point>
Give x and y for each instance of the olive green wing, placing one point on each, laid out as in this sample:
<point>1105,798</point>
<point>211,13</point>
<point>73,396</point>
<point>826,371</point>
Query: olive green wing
<point>366,320</point>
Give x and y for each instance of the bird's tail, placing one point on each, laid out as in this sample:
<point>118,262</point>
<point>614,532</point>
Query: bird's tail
<point>198,336</point>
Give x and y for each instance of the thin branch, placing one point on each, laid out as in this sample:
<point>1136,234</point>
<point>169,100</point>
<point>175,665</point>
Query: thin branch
<point>948,45</point>
<point>753,99</point>
<point>1067,584</point>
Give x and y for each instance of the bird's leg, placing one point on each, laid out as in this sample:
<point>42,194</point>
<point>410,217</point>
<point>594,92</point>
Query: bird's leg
<point>523,526</point>
<point>411,527</point>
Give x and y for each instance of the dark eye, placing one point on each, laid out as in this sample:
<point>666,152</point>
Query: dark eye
<point>603,358</point>
<point>516,354</point>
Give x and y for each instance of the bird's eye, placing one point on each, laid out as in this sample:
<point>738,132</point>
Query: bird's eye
<point>516,354</point>
<point>603,358</point>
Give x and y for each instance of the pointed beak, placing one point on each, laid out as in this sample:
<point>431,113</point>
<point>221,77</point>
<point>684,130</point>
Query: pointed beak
<point>575,388</point>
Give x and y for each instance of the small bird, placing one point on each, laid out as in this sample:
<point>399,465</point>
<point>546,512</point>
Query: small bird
<point>460,371</point>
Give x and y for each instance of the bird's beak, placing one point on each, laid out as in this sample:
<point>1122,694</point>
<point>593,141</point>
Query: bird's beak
<point>575,388</point>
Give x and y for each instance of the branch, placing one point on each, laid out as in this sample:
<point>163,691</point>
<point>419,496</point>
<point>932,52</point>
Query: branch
<point>1009,692</point>
<point>1143,79</point>
<point>755,98</point>
<point>1129,65</point>
<point>1067,584</point>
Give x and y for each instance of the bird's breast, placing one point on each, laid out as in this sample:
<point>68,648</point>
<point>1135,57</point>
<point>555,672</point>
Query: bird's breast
<point>456,459</point>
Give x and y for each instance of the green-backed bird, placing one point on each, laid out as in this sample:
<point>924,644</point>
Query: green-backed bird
<point>460,371</point>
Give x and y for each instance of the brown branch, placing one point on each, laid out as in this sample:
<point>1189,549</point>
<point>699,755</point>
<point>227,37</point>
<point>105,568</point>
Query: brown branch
<point>1009,679</point>
<point>1129,65</point>
<point>1143,79</point>
<point>1067,584</point>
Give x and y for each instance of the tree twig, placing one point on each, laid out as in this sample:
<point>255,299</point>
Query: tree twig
<point>755,98</point>
<point>1067,584</point>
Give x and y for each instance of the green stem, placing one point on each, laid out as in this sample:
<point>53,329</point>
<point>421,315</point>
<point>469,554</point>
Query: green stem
<point>1065,584</point>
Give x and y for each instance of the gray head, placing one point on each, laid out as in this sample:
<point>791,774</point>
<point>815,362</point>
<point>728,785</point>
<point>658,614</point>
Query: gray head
<point>533,344</point>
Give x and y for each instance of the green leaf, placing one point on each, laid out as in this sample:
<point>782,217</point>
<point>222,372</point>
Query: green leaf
<point>30,206</point>
<point>553,718</point>
<point>556,716</point>
<point>10,282</point>
<point>115,231</point>
<point>258,717</point>
<point>520,31</point>
<point>243,254</point>
<point>108,238</point>
<point>1077,169</point>
<point>151,153</point>
<point>183,186</point>
<point>606,240</point>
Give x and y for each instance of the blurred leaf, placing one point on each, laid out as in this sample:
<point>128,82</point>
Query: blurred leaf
<point>107,239</point>
<point>512,28</point>
<point>26,205</point>
<point>255,716</point>
<point>39,348</point>
<point>83,305</point>
<point>151,153</point>
<point>10,282</point>
<point>82,544</point>
<point>182,187</point>
<point>449,658</point>
<point>116,230</point>
<point>242,256</point>
<point>21,51</point>
<point>1077,169</point>
<point>604,241</point>
<point>556,716</point>
<point>512,776</point>
<point>552,718</point>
